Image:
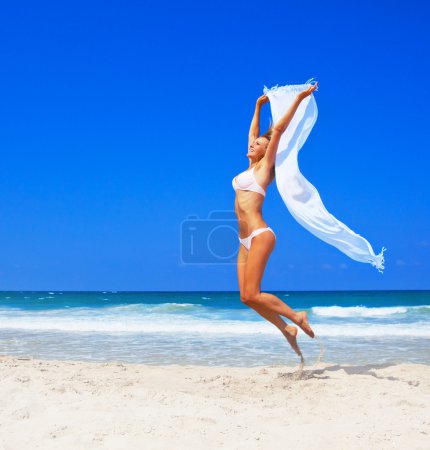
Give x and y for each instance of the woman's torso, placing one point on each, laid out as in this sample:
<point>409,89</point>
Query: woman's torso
<point>248,203</point>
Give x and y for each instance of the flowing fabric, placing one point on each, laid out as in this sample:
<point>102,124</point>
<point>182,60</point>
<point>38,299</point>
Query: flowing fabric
<point>299,195</point>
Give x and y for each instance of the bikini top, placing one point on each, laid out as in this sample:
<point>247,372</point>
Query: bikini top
<point>246,181</point>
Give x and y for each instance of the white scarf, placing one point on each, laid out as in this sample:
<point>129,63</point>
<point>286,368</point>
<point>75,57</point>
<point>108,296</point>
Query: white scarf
<point>301,197</point>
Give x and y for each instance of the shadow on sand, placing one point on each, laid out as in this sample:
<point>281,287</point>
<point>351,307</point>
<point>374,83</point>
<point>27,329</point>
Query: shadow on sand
<point>368,369</point>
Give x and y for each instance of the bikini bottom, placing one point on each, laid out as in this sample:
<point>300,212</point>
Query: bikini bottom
<point>247,241</point>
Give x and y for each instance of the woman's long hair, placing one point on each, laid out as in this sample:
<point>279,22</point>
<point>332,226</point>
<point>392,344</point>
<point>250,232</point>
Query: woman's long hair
<point>269,132</point>
<point>268,135</point>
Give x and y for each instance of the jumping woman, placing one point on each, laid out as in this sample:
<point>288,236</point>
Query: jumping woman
<point>257,240</point>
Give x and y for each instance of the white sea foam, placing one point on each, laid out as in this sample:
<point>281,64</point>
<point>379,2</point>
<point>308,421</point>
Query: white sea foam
<point>358,311</point>
<point>154,307</point>
<point>186,325</point>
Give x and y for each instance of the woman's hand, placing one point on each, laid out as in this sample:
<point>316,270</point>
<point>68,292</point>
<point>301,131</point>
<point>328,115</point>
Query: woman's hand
<point>262,100</point>
<point>307,92</point>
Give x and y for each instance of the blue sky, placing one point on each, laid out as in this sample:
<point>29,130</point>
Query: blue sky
<point>120,119</point>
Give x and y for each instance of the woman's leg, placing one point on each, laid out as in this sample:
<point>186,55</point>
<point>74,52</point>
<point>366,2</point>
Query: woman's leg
<point>287,330</point>
<point>272,317</point>
<point>258,255</point>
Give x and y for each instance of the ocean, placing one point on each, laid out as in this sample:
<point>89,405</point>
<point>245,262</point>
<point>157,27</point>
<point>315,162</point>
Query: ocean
<point>213,328</point>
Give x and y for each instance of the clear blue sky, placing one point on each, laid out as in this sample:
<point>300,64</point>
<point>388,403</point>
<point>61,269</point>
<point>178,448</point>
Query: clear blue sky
<point>120,119</point>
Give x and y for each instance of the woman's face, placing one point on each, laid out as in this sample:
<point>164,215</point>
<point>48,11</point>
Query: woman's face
<point>258,148</point>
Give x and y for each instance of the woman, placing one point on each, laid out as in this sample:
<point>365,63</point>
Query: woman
<point>257,240</point>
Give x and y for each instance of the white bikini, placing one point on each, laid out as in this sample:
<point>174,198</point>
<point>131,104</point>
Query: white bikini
<point>246,181</point>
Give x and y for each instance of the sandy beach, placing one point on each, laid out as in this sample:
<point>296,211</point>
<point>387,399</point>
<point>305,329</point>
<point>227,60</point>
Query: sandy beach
<point>50,404</point>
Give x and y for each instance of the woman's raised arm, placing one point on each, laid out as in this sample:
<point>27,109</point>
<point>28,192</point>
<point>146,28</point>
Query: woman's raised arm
<point>286,119</point>
<point>254,130</point>
<point>281,126</point>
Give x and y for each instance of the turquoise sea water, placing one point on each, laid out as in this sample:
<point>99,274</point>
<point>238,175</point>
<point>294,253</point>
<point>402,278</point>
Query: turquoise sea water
<point>213,328</point>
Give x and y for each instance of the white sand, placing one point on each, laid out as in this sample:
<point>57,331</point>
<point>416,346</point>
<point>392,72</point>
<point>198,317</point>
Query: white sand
<point>80,405</point>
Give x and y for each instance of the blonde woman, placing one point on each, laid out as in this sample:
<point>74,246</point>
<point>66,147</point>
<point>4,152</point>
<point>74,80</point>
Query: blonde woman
<point>257,240</point>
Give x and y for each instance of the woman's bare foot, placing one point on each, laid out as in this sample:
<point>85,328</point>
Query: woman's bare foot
<point>291,334</point>
<point>302,322</point>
